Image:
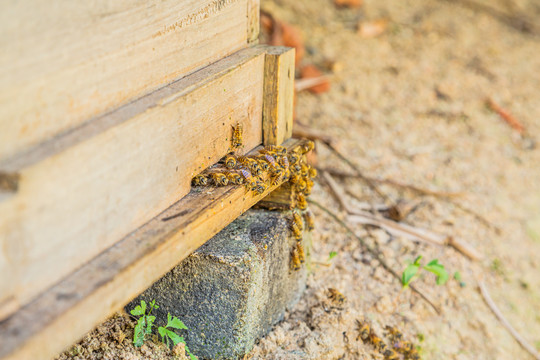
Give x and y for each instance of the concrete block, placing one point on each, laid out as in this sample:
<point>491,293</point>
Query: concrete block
<point>233,289</point>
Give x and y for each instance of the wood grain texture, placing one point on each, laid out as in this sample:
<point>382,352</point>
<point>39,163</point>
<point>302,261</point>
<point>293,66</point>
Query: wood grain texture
<point>64,62</point>
<point>253,21</point>
<point>278,95</point>
<point>68,310</point>
<point>79,194</point>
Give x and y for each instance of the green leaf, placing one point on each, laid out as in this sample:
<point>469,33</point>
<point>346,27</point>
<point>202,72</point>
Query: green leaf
<point>149,323</point>
<point>174,337</point>
<point>417,260</point>
<point>139,309</point>
<point>176,323</point>
<point>332,255</point>
<point>457,276</point>
<point>438,269</point>
<point>153,304</point>
<point>138,333</point>
<point>409,273</point>
<point>164,338</point>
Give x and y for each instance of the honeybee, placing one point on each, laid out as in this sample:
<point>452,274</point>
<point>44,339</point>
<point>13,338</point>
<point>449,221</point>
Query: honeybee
<point>235,178</point>
<point>295,260</point>
<point>283,161</point>
<point>301,202</point>
<point>402,346</point>
<point>251,164</point>
<point>293,158</point>
<point>301,254</point>
<point>219,179</point>
<point>395,334</point>
<point>336,296</point>
<point>301,186</point>
<point>250,181</point>
<point>294,178</point>
<point>413,355</point>
<point>308,146</point>
<point>263,165</point>
<point>276,176</point>
<point>271,160</point>
<point>297,219</point>
<point>200,180</point>
<point>296,168</point>
<point>309,220</point>
<point>296,231</point>
<point>260,187</point>
<point>390,355</point>
<point>309,186</point>
<point>230,162</point>
<point>375,340</point>
<point>363,330</point>
<point>236,139</point>
<point>304,170</point>
<point>312,172</point>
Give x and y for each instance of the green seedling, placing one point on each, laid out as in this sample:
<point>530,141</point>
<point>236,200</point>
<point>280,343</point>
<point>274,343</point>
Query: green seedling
<point>144,323</point>
<point>457,277</point>
<point>412,271</point>
<point>332,255</point>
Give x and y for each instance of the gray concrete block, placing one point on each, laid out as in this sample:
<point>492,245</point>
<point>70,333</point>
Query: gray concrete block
<point>233,289</point>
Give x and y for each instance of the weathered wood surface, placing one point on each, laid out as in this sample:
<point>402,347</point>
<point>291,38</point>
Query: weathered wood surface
<point>278,94</point>
<point>64,62</point>
<point>79,194</point>
<point>74,306</point>
<point>253,21</point>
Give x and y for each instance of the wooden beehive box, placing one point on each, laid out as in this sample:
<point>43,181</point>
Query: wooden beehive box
<point>107,110</point>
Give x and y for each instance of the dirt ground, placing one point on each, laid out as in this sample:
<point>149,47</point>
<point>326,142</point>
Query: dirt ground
<point>409,105</point>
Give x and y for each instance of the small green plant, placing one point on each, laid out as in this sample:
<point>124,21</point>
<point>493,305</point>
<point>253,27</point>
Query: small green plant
<point>145,322</point>
<point>457,277</point>
<point>332,255</point>
<point>412,271</point>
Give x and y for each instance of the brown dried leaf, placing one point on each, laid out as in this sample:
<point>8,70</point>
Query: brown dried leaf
<point>369,29</point>
<point>311,71</point>
<point>348,3</point>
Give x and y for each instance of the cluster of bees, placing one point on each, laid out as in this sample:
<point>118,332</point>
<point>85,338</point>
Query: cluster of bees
<point>271,166</point>
<point>398,348</point>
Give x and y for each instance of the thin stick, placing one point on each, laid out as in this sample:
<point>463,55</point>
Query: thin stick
<point>505,323</point>
<point>505,115</point>
<point>304,84</point>
<point>360,175</point>
<point>376,254</point>
<point>337,191</point>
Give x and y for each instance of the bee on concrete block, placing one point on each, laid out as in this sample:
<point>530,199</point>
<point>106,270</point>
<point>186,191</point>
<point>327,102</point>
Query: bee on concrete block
<point>363,330</point>
<point>337,299</point>
<point>301,253</point>
<point>297,219</point>
<point>295,260</point>
<point>301,201</point>
<point>309,220</point>
<point>297,232</point>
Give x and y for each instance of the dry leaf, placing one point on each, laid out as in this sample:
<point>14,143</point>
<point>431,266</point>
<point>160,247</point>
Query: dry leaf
<point>311,71</point>
<point>279,33</point>
<point>348,3</point>
<point>371,29</point>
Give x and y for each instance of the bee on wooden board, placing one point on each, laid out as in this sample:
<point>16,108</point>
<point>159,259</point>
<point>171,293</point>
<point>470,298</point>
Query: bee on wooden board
<point>219,179</point>
<point>312,173</point>
<point>293,158</point>
<point>271,160</point>
<point>236,139</point>
<point>200,180</point>
<point>304,170</point>
<point>309,186</point>
<point>283,160</point>
<point>295,260</point>
<point>250,181</point>
<point>308,146</point>
<point>336,296</point>
<point>300,250</point>
<point>235,178</point>
<point>276,177</point>
<point>294,178</point>
<point>230,162</point>
<point>263,165</point>
<point>363,330</point>
<point>260,187</point>
<point>301,185</point>
<point>296,169</point>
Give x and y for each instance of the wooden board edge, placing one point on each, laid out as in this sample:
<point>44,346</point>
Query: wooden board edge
<point>65,312</point>
<point>278,94</point>
<point>253,23</point>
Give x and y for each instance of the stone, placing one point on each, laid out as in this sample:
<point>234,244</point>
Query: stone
<point>233,289</point>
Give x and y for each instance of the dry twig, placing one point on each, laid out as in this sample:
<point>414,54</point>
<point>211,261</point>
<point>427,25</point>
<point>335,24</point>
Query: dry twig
<point>491,304</point>
<point>375,253</point>
<point>307,83</point>
<point>505,115</point>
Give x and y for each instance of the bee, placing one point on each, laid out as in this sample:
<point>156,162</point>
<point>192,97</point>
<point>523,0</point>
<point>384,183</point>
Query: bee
<point>402,346</point>
<point>200,180</point>
<point>413,355</point>
<point>395,334</point>
<point>301,202</point>
<point>235,178</point>
<point>297,219</point>
<point>263,165</point>
<point>236,139</point>
<point>296,231</point>
<point>276,176</point>
<point>304,170</point>
<point>300,250</point>
<point>382,347</point>
<point>312,172</point>
<point>278,149</point>
<point>271,160</point>
<point>295,260</point>
<point>308,146</point>
<point>301,185</point>
<point>283,161</point>
<point>250,181</point>
<point>375,340</point>
<point>390,355</point>
<point>363,330</point>
<point>219,179</point>
<point>294,178</point>
<point>309,186</point>
<point>336,296</point>
<point>230,162</point>
<point>296,168</point>
<point>309,220</point>
<point>293,158</point>
<point>260,187</point>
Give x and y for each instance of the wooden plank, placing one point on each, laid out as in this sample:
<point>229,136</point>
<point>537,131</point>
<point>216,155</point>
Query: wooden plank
<point>64,62</point>
<point>278,95</point>
<point>253,21</point>
<point>68,310</point>
<point>79,194</point>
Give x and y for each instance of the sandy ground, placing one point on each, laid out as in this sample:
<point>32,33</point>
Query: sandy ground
<point>409,105</point>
